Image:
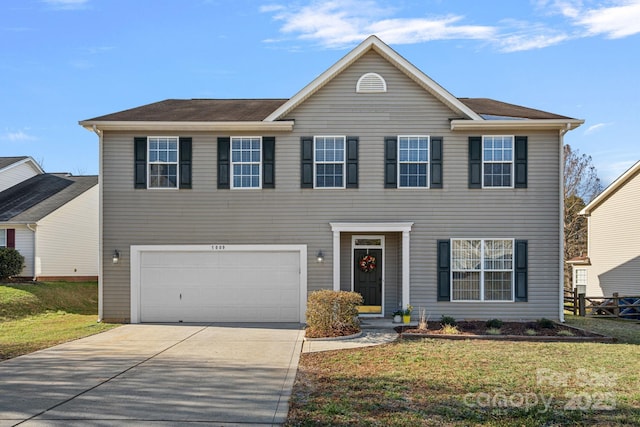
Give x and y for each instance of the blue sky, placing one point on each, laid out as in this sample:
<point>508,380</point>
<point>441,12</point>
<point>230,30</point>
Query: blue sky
<point>68,60</point>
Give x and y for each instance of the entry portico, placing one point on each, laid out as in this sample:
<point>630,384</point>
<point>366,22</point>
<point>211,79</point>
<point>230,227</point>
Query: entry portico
<point>372,228</point>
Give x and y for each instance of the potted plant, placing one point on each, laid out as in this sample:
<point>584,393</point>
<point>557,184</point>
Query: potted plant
<point>397,316</point>
<point>406,314</point>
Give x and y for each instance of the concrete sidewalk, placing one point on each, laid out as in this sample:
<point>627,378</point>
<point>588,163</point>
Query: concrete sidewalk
<point>156,374</point>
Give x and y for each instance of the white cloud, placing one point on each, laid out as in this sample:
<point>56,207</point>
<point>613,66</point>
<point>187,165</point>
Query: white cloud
<point>18,136</point>
<point>67,4</point>
<point>338,24</point>
<point>595,128</point>
<point>614,22</point>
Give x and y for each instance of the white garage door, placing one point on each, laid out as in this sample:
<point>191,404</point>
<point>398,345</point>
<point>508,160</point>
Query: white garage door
<point>219,286</point>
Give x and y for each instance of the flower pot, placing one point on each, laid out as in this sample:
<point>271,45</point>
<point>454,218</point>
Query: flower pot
<point>406,318</point>
<point>397,318</point>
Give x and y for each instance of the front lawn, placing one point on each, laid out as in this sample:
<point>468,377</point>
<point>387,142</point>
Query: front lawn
<point>36,316</point>
<point>439,382</point>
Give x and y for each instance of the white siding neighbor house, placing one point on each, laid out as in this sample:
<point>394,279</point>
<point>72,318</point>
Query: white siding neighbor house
<point>613,262</point>
<point>372,178</point>
<point>51,219</point>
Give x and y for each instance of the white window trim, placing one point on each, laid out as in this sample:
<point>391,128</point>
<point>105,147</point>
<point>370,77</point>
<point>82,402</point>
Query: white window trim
<point>343,162</point>
<point>3,232</point>
<point>177,163</point>
<point>428,162</point>
<point>482,271</point>
<point>232,163</point>
<point>513,154</point>
<point>575,276</point>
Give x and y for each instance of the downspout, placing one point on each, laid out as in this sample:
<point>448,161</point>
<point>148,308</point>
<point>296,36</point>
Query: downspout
<point>561,278</point>
<point>100,266</point>
<point>35,248</point>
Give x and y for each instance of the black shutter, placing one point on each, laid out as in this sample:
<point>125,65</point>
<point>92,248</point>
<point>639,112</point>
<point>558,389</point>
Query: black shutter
<point>436,162</point>
<point>390,162</point>
<point>140,162</point>
<point>352,162</point>
<point>520,164</point>
<point>521,249</point>
<point>185,162</point>
<point>475,162</point>
<point>224,168</point>
<point>11,238</point>
<point>268,162</point>
<point>306,155</point>
<point>444,270</point>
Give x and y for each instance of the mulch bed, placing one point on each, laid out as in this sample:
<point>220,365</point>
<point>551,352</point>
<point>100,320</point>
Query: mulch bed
<point>508,331</point>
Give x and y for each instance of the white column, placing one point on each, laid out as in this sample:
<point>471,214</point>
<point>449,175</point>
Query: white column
<point>406,268</point>
<point>336,260</point>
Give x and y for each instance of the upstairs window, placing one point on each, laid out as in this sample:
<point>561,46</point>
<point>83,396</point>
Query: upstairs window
<point>163,162</point>
<point>413,161</point>
<point>246,155</point>
<point>329,161</point>
<point>497,161</point>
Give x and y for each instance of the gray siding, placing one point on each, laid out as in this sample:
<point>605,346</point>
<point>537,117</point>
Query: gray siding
<point>291,215</point>
<point>614,243</point>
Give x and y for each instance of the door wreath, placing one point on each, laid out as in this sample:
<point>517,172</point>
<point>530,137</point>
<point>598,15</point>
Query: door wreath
<point>367,263</point>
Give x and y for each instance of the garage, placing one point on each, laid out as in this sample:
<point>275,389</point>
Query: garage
<point>218,283</point>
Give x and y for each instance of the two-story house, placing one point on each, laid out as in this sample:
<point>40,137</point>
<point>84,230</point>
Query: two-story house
<point>372,178</point>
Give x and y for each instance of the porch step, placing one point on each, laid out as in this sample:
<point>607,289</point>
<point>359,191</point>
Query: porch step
<point>381,323</point>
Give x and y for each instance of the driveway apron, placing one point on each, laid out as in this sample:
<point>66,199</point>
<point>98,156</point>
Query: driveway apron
<point>210,374</point>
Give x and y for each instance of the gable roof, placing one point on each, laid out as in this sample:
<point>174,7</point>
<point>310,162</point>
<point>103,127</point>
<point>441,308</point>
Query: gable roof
<point>263,114</point>
<point>612,188</point>
<point>9,162</point>
<point>377,45</point>
<point>38,196</point>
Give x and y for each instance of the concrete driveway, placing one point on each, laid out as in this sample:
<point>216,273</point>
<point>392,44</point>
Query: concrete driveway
<point>214,374</point>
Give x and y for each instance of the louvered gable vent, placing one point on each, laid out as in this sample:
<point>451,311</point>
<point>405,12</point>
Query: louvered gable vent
<point>371,83</point>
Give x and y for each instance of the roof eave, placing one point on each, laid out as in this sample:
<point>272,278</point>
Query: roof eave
<point>516,124</point>
<point>612,188</point>
<point>282,126</point>
<point>374,43</point>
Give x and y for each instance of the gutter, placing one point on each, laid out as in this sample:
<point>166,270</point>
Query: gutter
<point>561,133</point>
<point>98,132</point>
<point>564,125</point>
<point>257,126</point>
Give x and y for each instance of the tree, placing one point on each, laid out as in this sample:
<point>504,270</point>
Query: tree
<point>581,185</point>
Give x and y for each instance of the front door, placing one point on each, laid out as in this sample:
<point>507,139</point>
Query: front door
<point>367,278</point>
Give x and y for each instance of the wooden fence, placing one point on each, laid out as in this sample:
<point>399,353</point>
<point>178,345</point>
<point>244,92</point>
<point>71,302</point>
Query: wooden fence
<point>614,306</point>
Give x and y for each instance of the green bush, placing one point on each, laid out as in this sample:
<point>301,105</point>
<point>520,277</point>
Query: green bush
<point>448,320</point>
<point>546,323</point>
<point>11,263</point>
<point>494,323</point>
<point>332,313</point>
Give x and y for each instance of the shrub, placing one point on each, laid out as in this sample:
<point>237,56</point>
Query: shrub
<point>450,329</point>
<point>448,320</point>
<point>332,313</point>
<point>11,263</point>
<point>565,333</point>
<point>546,323</point>
<point>494,323</point>
<point>531,332</point>
<point>494,331</point>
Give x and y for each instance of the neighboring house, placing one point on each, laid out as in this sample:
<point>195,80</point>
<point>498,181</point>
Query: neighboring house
<point>14,170</point>
<point>372,178</point>
<point>613,261</point>
<point>51,219</point>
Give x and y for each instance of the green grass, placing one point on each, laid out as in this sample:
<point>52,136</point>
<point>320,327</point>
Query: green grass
<point>435,382</point>
<point>36,316</point>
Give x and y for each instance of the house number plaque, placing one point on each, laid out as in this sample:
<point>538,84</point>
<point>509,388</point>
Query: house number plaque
<point>218,247</point>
